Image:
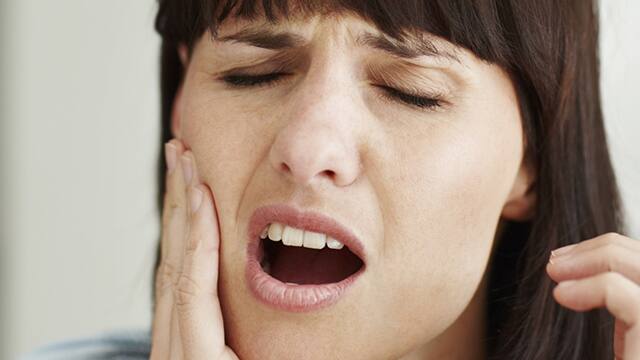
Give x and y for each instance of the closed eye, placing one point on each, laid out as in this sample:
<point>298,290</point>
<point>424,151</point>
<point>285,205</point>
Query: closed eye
<point>423,102</point>
<point>253,80</point>
<point>388,93</point>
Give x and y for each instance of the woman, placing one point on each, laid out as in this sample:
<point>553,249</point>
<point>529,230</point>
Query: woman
<point>387,180</point>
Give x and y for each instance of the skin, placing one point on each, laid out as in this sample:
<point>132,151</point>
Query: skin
<point>371,163</point>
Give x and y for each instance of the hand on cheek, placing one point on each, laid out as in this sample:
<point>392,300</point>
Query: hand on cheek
<point>603,272</point>
<point>187,322</point>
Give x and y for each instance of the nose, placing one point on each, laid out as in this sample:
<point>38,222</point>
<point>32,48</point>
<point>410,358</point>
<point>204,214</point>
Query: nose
<point>320,141</point>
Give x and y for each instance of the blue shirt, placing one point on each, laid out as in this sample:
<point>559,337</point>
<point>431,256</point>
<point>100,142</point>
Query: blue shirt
<point>114,345</point>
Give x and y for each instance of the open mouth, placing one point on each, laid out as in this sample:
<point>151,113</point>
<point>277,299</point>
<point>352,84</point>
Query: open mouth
<point>296,256</point>
<point>301,261</point>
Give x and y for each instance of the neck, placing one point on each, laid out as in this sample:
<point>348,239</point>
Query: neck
<point>464,339</point>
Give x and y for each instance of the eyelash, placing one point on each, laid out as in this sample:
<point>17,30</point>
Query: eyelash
<point>389,93</point>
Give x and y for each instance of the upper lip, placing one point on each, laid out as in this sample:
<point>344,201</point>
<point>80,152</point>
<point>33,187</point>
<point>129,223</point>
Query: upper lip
<point>308,220</point>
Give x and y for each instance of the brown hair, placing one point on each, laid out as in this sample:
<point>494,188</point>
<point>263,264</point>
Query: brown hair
<point>550,50</point>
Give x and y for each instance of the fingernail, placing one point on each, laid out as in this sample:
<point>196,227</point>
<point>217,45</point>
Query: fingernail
<point>563,250</point>
<point>170,154</point>
<point>186,169</point>
<point>195,198</point>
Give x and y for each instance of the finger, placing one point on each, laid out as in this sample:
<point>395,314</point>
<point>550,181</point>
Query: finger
<point>174,216</point>
<point>192,177</point>
<point>598,241</point>
<point>200,317</point>
<point>609,257</point>
<point>189,177</point>
<point>618,294</point>
<point>188,168</point>
<point>619,333</point>
<point>632,344</point>
<point>173,220</point>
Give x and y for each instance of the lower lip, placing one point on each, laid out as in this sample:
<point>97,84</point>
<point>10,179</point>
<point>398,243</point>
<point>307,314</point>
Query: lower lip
<point>291,297</point>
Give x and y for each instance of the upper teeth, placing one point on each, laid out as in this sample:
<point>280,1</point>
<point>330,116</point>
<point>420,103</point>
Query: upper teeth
<point>291,236</point>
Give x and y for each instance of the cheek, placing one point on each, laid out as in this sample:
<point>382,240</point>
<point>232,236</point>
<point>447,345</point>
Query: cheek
<point>222,140</point>
<point>446,201</point>
<point>223,136</point>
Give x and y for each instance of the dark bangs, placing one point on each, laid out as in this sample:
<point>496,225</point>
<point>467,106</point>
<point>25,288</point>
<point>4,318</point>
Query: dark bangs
<point>549,48</point>
<point>474,25</point>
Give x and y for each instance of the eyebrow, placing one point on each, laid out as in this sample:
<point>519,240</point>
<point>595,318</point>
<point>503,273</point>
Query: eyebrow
<point>406,50</point>
<point>269,39</point>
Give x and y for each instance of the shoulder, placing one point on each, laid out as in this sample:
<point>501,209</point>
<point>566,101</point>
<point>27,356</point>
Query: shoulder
<point>116,345</point>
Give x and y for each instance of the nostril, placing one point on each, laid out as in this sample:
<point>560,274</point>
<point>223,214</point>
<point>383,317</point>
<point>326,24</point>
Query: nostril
<point>284,167</point>
<point>331,174</point>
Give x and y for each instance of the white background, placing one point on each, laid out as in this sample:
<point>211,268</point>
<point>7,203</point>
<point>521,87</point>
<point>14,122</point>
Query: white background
<point>79,137</point>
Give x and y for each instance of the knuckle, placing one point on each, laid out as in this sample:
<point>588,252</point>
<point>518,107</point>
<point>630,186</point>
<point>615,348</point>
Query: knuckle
<point>610,254</point>
<point>191,249</point>
<point>165,277</point>
<point>171,209</point>
<point>194,242</point>
<point>187,290</point>
<point>613,238</point>
<point>613,257</point>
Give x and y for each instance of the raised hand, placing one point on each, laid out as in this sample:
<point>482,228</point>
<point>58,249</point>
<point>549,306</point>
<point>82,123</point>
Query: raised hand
<point>187,322</point>
<point>603,272</point>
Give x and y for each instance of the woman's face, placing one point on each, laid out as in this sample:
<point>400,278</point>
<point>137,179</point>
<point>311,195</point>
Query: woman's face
<point>422,183</point>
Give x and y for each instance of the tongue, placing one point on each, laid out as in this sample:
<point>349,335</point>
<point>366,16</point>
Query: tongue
<point>308,266</point>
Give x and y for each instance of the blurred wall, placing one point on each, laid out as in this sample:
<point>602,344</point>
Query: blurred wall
<point>620,62</point>
<point>80,140</point>
<point>4,188</point>
<point>79,129</point>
